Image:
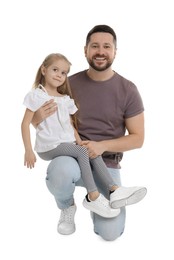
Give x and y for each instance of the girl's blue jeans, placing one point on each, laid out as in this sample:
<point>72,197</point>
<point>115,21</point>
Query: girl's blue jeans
<point>63,175</point>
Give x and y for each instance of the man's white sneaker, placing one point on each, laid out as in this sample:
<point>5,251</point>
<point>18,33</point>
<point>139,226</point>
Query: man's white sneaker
<point>124,196</point>
<point>66,225</point>
<point>101,206</point>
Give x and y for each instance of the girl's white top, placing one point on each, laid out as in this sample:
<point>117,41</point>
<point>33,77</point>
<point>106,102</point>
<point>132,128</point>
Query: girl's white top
<point>56,128</point>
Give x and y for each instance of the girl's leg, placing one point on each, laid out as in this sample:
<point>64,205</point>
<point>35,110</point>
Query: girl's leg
<point>102,174</point>
<point>119,196</point>
<point>100,204</point>
<point>78,152</point>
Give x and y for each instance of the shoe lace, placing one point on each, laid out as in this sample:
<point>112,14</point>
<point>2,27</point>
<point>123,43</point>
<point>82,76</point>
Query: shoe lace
<point>67,215</point>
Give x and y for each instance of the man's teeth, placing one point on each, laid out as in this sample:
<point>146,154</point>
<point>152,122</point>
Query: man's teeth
<point>99,58</point>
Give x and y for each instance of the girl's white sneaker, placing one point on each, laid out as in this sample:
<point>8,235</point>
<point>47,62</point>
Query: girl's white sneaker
<point>124,196</point>
<point>101,206</point>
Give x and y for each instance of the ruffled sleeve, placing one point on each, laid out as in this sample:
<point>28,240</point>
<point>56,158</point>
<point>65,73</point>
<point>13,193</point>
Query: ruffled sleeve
<point>35,99</point>
<point>72,108</point>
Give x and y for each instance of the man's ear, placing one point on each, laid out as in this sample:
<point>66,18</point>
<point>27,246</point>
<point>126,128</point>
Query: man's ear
<point>85,50</point>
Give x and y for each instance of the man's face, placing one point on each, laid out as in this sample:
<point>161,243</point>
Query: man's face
<point>100,51</point>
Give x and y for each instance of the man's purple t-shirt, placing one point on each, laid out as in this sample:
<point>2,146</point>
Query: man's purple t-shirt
<point>104,105</point>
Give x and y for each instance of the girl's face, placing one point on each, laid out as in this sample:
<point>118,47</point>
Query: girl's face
<point>55,74</point>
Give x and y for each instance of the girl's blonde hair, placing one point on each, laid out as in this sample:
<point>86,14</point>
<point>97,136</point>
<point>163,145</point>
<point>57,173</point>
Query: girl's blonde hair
<point>65,88</point>
<point>40,79</point>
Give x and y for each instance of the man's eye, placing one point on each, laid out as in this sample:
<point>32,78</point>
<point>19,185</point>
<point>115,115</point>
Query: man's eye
<point>94,46</point>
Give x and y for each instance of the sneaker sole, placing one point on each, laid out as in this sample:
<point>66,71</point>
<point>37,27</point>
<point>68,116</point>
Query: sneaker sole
<point>134,198</point>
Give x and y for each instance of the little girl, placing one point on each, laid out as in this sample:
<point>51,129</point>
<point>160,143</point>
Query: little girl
<point>57,136</point>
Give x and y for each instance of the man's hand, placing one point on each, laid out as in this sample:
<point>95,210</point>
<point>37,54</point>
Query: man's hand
<point>94,148</point>
<point>44,111</point>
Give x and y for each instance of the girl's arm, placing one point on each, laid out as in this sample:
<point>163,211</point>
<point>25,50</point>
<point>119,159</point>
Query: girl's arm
<point>77,136</point>
<point>29,157</point>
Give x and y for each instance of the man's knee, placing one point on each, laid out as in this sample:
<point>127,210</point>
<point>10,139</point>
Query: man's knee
<point>62,171</point>
<point>111,235</point>
<point>109,229</point>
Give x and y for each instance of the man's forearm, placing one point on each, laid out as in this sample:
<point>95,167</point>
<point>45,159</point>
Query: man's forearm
<point>123,144</point>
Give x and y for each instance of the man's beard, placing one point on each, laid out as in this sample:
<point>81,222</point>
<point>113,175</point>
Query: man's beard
<point>98,68</point>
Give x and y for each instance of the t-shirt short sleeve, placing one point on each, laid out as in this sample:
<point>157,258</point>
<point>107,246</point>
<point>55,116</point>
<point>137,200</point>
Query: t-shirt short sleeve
<point>134,104</point>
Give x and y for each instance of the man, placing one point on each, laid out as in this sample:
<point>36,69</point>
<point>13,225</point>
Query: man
<point>109,105</point>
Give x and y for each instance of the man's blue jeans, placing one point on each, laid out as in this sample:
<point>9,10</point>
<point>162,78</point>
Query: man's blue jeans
<point>63,175</point>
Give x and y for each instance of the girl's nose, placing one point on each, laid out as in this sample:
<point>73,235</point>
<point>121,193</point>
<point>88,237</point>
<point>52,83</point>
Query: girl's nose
<point>59,74</point>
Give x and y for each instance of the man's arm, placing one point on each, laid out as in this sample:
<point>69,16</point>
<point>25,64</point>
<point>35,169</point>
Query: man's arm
<point>43,112</point>
<point>133,140</point>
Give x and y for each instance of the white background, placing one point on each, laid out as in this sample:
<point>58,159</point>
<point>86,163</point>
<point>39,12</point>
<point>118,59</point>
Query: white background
<point>29,215</point>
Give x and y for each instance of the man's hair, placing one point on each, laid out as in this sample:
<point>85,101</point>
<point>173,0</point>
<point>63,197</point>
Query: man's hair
<point>101,28</point>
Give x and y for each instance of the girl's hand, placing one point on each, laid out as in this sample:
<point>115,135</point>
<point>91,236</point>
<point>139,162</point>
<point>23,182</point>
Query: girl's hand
<point>29,159</point>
